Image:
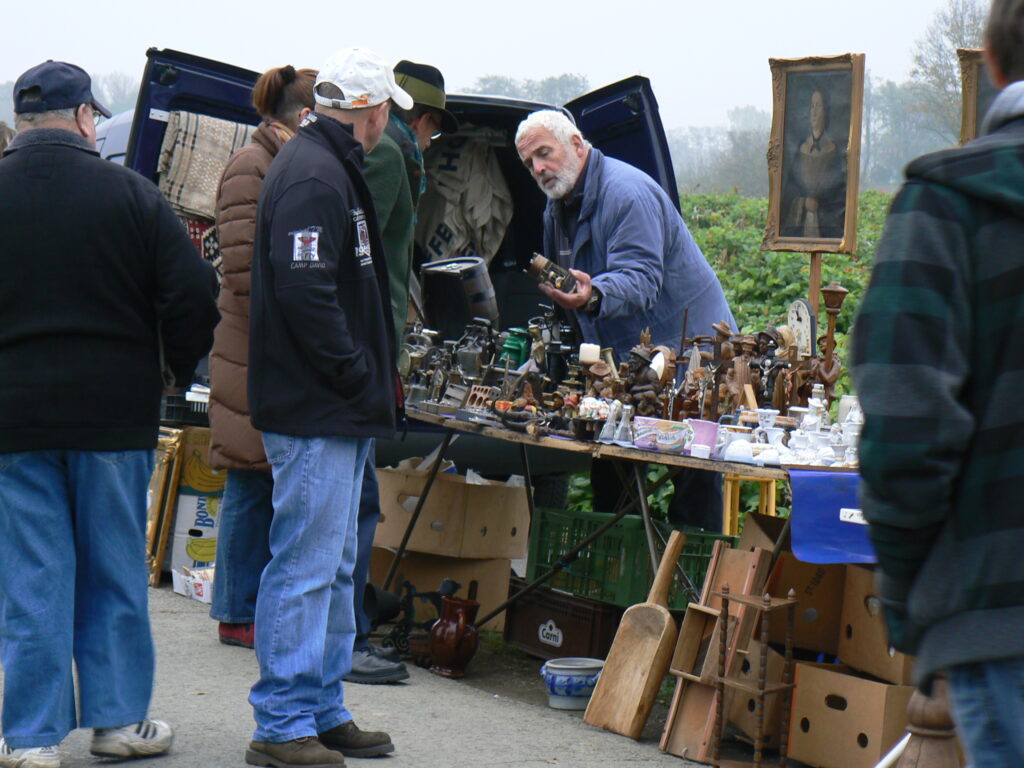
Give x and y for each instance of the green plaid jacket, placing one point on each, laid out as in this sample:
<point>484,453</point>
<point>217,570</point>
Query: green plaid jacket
<point>938,362</point>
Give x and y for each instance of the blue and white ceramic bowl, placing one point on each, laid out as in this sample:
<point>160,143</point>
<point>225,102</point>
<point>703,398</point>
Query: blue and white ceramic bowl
<point>570,681</point>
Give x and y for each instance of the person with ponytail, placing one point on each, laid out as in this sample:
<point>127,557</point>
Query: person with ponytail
<point>283,96</point>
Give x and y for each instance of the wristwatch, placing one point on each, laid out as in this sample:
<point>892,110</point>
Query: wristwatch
<point>593,305</point>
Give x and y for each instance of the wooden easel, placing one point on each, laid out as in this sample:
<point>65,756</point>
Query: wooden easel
<point>814,289</point>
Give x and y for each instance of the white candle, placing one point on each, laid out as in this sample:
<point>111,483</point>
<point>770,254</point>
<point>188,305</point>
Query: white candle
<point>589,353</point>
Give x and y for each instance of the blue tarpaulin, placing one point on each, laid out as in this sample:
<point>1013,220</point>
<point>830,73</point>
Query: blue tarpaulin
<point>826,521</point>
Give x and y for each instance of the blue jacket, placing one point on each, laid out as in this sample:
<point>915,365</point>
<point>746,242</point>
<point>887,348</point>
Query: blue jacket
<point>632,241</point>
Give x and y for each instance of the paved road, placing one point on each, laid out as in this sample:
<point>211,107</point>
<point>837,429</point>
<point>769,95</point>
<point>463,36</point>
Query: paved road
<point>435,723</point>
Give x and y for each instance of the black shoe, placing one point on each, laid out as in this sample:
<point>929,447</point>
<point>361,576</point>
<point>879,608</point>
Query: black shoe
<point>370,669</point>
<point>306,752</point>
<point>388,653</point>
<point>351,742</point>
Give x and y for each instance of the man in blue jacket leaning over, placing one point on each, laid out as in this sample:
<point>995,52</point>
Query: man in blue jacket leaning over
<point>636,266</point>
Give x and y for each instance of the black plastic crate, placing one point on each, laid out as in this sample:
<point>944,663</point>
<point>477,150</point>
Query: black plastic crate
<point>552,624</point>
<point>176,411</point>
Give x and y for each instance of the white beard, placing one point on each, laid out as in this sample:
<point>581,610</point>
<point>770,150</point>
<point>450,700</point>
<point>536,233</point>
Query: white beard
<point>565,179</point>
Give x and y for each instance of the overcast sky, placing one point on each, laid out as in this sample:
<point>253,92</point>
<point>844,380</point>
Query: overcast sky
<point>702,57</point>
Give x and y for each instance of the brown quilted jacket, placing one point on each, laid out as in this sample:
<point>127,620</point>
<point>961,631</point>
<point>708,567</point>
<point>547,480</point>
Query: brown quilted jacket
<point>234,443</point>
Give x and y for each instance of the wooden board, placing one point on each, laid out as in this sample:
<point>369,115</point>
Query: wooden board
<point>686,734</point>
<point>639,657</point>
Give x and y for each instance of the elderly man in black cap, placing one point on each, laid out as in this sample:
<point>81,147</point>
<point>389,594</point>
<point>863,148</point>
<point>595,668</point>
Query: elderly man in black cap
<point>103,302</point>
<point>394,173</point>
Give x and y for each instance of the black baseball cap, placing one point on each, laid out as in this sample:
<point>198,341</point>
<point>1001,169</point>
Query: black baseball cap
<point>54,85</point>
<point>426,86</point>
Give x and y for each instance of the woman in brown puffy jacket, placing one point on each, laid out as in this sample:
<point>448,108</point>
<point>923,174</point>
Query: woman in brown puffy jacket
<point>283,97</point>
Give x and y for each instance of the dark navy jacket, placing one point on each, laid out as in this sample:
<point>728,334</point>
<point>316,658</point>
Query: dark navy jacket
<point>321,358</point>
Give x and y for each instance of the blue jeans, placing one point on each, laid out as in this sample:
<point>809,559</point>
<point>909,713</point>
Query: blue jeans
<point>305,623</point>
<point>243,545</point>
<point>987,700</point>
<point>369,514</point>
<point>73,583</point>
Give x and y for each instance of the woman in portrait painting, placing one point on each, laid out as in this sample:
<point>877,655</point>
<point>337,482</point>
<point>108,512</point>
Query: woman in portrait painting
<point>817,180</point>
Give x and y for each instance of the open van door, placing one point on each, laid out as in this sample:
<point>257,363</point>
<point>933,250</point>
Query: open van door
<point>622,120</point>
<point>174,80</point>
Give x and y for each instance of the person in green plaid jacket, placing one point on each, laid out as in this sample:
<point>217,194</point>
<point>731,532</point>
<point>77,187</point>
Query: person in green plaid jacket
<point>938,352</point>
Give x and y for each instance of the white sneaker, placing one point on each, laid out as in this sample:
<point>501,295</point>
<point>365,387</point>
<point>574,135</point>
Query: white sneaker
<point>35,757</point>
<point>142,739</point>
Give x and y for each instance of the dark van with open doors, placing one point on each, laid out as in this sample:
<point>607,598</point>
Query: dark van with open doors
<point>620,119</point>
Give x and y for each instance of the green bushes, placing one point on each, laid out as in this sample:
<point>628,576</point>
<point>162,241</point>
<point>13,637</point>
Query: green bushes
<point>760,285</point>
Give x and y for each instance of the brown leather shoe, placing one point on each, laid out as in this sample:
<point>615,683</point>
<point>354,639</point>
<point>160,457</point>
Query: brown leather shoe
<point>351,742</point>
<point>306,752</point>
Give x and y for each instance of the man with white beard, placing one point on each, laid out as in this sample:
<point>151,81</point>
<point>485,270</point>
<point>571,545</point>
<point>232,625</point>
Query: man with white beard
<point>636,266</point>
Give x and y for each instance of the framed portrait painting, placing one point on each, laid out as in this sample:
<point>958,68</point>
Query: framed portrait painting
<point>814,153</point>
<point>977,89</point>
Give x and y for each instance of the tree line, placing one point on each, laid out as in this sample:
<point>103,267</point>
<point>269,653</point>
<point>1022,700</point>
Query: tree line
<point>900,120</point>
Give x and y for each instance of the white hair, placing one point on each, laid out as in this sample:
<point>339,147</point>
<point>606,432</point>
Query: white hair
<point>561,127</point>
<point>24,119</point>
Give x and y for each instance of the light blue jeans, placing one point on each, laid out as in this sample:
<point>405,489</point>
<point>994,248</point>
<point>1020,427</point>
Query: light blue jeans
<point>987,700</point>
<point>73,584</point>
<point>243,544</point>
<point>305,623</point>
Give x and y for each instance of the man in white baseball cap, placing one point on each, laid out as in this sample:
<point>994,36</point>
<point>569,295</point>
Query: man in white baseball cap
<point>321,388</point>
<point>362,77</point>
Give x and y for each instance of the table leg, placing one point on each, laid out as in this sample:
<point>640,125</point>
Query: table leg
<point>692,591</point>
<point>641,496</point>
<point>431,476</point>
<point>528,477</point>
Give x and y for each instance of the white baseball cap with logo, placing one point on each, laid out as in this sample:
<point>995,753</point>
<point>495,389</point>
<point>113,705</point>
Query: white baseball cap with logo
<point>364,79</point>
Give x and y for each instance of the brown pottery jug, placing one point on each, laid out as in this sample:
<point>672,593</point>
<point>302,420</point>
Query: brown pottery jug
<point>453,638</point>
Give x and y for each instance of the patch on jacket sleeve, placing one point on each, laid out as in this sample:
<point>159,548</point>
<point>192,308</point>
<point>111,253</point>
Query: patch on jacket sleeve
<point>363,252</point>
<point>306,244</point>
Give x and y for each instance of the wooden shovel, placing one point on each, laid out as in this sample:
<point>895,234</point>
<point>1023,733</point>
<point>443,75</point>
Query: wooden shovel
<point>639,657</point>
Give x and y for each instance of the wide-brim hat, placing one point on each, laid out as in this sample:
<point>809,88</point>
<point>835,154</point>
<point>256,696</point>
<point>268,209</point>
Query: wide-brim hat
<point>364,79</point>
<point>426,86</point>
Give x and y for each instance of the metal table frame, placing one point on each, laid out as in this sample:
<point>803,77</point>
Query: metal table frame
<point>621,457</point>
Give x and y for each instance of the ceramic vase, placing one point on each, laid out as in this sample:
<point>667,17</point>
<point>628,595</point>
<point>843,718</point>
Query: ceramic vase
<point>453,638</point>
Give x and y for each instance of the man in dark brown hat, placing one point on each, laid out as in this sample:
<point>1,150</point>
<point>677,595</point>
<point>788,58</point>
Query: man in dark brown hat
<point>394,173</point>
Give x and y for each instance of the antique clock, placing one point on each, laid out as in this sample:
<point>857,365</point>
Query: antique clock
<point>802,322</point>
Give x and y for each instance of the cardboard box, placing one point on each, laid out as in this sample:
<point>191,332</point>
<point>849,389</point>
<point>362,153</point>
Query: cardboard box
<point>195,584</point>
<point>819,588</point>
<point>194,535</point>
<point>197,477</point>
<point>843,721</point>
<point>463,517</point>
<point>761,531</point>
<point>194,544</point>
<point>426,572</point>
<point>863,638</point>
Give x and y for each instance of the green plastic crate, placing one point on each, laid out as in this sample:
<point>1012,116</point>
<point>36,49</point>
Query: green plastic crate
<point>615,567</point>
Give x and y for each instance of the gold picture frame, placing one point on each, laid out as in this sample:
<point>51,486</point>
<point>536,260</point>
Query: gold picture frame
<point>814,154</point>
<point>162,499</point>
<point>977,91</point>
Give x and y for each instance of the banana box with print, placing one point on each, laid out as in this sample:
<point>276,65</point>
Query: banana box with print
<point>199,496</point>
